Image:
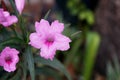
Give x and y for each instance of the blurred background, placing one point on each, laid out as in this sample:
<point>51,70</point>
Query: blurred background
<point>93,26</point>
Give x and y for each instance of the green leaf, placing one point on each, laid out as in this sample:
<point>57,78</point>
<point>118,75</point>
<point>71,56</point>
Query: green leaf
<point>76,34</point>
<point>11,40</point>
<point>4,76</point>
<point>48,72</point>
<point>23,65</point>
<point>54,64</point>
<point>17,75</point>
<point>74,49</point>
<point>47,14</point>
<point>30,61</point>
<point>113,69</point>
<point>14,7</point>
<point>92,44</point>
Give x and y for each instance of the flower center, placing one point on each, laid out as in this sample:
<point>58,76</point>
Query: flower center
<point>49,41</point>
<point>8,60</point>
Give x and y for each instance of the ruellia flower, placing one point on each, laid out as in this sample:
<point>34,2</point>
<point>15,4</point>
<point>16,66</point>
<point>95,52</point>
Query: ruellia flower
<point>49,38</point>
<point>5,18</point>
<point>20,5</point>
<point>9,58</point>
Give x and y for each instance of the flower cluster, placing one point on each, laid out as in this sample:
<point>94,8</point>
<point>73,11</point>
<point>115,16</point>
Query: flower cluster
<point>9,56</point>
<point>48,38</point>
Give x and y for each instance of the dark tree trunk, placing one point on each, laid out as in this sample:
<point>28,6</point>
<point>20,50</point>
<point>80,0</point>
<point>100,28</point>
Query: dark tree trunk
<point>108,26</point>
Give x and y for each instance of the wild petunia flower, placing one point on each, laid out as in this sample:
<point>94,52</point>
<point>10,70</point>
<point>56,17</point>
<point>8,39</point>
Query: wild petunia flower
<point>5,18</point>
<point>9,58</point>
<point>20,5</point>
<point>49,38</point>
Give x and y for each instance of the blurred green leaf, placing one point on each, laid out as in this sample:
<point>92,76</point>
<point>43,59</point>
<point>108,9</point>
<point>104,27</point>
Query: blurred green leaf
<point>17,75</point>
<point>92,44</point>
<point>90,17</point>
<point>14,7</point>
<point>47,14</point>
<point>82,15</point>
<point>23,65</point>
<point>48,72</point>
<point>72,53</point>
<point>76,34</point>
<point>4,76</point>
<point>4,34</point>
<point>113,69</point>
<point>30,62</point>
<point>11,40</point>
<point>54,64</point>
<point>110,72</point>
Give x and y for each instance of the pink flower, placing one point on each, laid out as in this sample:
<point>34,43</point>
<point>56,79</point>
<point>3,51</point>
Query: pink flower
<point>49,38</point>
<point>9,58</point>
<point>20,5</point>
<point>5,18</point>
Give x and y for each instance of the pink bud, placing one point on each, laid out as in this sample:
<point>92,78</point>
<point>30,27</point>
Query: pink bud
<point>20,5</point>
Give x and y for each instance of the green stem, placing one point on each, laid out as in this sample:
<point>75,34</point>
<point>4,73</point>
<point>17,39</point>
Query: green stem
<point>22,27</point>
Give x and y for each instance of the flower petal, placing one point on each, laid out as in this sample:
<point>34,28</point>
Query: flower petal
<point>9,68</point>
<point>5,18</point>
<point>57,27</point>
<point>42,27</point>
<point>48,52</point>
<point>2,18</point>
<point>6,14</point>
<point>62,42</point>
<point>35,40</point>
<point>10,20</point>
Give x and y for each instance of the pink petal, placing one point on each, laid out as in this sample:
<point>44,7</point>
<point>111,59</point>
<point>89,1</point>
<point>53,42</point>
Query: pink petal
<point>6,14</point>
<point>20,5</point>
<point>42,27</point>
<point>2,18</point>
<point>35,40</point>
<point>1,61</point>
<point>57,27</point>
<point>10,20</point>
<point>10,68</point>
<point>5,18</point>
<point>48,53</point>
<point>62,42</point>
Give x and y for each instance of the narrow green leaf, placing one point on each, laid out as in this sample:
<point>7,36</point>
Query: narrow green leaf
<point>17,75</point>
<point>48,72</point>
<point>75,34</point>
<point>47,14</point>
<point>73,51</point>
<point>113,69</point>
<point>11,40</point>
<point>14,7</point>
<point>4,76</point>
<point>24,68</point>
<point>92,44</point>
<point>54,64</point>
<point>30,62</point>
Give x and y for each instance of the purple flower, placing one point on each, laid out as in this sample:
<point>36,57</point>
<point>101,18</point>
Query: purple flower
<point>49,38</point>
<point>20,5</point>
<point>5,18</point>
<point>9,58</point>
